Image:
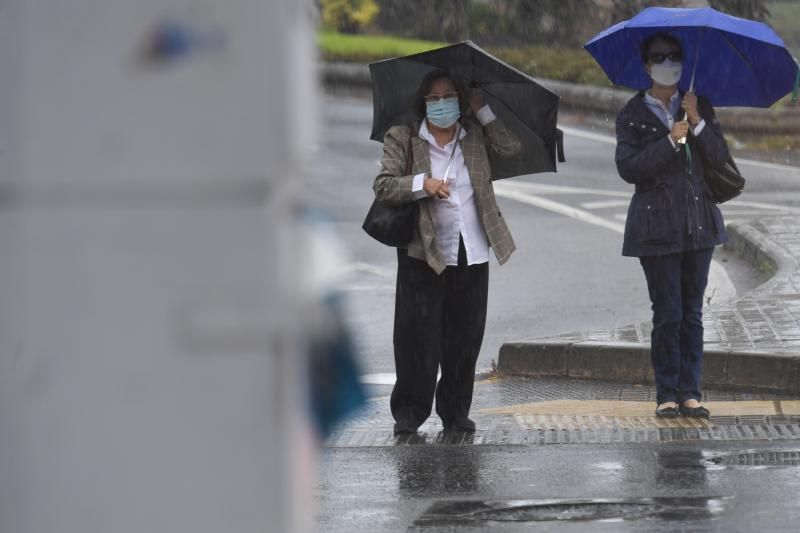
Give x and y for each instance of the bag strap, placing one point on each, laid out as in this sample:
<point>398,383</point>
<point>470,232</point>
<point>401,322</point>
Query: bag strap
<point>452,152</point>
<point>412,130</point>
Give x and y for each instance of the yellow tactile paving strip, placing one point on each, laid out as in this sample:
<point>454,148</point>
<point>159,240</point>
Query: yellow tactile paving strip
<point>604,414</point>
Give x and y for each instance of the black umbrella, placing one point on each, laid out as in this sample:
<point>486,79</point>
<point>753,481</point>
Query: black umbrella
<point>527,108</point>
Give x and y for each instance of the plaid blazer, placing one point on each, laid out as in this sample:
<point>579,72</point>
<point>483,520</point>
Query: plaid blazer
<point>393,188</point>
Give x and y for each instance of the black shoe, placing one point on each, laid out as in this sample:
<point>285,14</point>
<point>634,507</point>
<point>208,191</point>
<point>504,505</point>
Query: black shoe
<point>668,412</point>
<point>404,427</point>
<point>695,412</point>
<point>460,424</point>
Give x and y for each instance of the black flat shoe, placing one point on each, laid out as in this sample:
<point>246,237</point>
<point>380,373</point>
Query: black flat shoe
<point>695,412</point>
<point>462,424</point>
<point>668,412</point>
<point>404,427</point>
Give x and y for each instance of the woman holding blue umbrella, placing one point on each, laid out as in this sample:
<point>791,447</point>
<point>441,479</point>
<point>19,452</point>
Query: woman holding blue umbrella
<point>672,226</point>
<point>663,135</point>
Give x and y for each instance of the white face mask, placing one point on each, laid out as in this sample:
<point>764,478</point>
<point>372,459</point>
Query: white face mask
<point>667,73</point>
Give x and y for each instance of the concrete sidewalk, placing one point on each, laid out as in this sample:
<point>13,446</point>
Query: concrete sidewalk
<point>751,342</point>
<point>511,411</point>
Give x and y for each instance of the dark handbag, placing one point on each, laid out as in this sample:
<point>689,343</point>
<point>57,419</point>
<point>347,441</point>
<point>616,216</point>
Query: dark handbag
<point>393,225</point>
<point>723,183</point>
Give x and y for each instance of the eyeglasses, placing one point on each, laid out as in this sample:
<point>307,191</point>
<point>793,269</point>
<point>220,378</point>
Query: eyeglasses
<point>675,56</point>
<point>436,97</point>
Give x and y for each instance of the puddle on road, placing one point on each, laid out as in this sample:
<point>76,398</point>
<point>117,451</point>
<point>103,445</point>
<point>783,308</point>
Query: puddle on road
<point>739,459</point>
<point>473,512</point>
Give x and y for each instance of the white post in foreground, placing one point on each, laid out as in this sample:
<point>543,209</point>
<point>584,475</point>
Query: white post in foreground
<point>147,382</point>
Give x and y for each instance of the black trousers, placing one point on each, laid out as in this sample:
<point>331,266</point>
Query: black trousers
<point>438,320</point>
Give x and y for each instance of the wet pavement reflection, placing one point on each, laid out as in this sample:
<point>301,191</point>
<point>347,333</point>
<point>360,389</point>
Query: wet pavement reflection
<point>418,475</point>
<point>681,471</point>
<point>711,486</point>
<point>451,513</point>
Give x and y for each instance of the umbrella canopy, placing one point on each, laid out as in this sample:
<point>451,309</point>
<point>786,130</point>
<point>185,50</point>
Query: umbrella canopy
<point>736,62</point>
<point>526,108</point>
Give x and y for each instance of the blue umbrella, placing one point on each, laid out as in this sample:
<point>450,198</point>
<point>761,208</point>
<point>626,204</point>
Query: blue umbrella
<point>730,61</point>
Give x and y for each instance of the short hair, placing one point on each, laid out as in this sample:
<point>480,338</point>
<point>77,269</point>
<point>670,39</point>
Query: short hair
<point>661,36</point>
<point>427,84</point>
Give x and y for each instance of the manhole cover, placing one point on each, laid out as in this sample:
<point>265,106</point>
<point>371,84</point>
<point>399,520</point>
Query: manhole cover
<point>755,458</point>
<point>449,513</point>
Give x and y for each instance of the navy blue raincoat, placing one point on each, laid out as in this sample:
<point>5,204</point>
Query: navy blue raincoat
<point>670,211</point>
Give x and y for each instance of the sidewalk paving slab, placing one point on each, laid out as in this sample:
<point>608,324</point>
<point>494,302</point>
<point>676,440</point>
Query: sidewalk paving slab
<point>514,411</point>
<point>752,341</point>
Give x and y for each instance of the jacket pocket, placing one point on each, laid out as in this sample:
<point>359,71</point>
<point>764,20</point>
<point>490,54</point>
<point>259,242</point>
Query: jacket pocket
<point>647,132</point>
<point>653,217</point>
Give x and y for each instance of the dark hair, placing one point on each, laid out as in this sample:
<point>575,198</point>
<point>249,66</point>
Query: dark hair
<point>427,84</point>
<point>661,36</point>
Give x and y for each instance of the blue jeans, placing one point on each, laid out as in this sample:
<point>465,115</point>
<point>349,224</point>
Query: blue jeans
<point>676,283</point>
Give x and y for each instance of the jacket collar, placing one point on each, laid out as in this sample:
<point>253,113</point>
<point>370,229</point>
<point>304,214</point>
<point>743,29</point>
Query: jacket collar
<point>425,133</point>
<point>470,141</point>
<point>642,112</point>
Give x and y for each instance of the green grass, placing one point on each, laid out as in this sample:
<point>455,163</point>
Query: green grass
<point>368,48</point>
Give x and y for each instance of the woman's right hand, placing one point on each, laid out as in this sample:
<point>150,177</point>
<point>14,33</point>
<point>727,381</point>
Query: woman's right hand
<point>434,187</point>
<point>679,130</point>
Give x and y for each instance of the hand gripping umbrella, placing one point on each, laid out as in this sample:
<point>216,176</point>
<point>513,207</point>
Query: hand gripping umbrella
<point>528,109</point>
<point>730,61</point>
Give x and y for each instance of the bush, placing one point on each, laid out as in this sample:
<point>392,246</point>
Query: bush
<point>564,64</point>
<point>348,16</point>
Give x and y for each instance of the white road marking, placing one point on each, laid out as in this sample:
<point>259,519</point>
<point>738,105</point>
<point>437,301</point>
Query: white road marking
<point>599,137</point>
<point>557,207</point>
<point>367,268</point>
<point>604,204</point>
<point>385,378</point>
<point>609,139</point>
<point>367,288</point>
<point>378,379</point>
<point>731,213</point>
<point>719,287</point>
<point>761,205</point>
<point>771,166</point>
<point>542,188</point>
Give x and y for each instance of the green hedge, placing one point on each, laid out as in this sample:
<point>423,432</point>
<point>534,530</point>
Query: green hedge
<point>368,48</point>
<point>564,64</point>
<point>539,61</point>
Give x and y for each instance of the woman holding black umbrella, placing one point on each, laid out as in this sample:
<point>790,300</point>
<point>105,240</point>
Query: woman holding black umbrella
<point>672,225</point>
<point>443,273</point>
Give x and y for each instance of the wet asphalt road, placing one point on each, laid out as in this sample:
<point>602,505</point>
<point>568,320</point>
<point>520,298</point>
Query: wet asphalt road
<point>393,489</point>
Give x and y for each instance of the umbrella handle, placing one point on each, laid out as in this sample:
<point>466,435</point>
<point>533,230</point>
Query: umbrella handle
<point>682,140</point>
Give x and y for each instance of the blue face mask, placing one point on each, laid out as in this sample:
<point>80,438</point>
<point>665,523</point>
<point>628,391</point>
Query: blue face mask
<point>443,113</point>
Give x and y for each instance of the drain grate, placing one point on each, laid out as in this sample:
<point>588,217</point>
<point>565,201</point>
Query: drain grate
<point>553,429</point>
<point>473,512</point>
<point>755,458</point>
